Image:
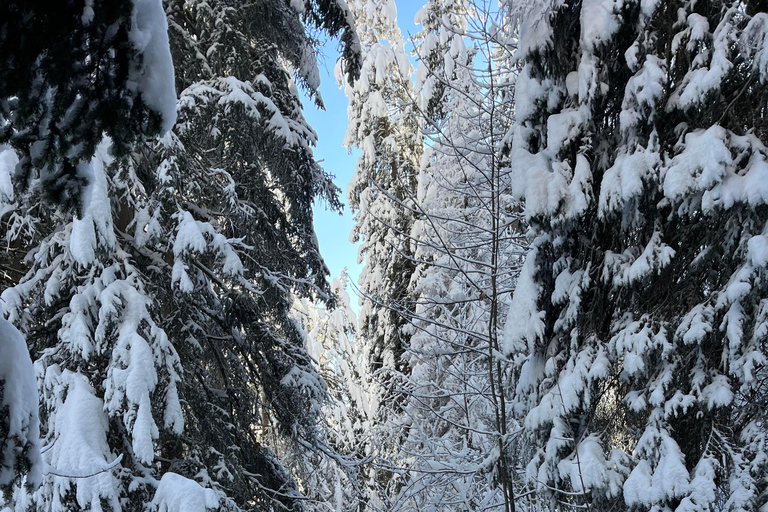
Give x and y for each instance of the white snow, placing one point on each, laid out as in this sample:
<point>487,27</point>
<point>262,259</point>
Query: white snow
<point>132,376</point>
<point>592,469</point>
<point>155,76</point>
<point>718,393</point>
<point>700,166</point>
<point>754,43</point>
<point>194,236</point>
<point>700,81</point>
<point>19,391</point>
<point>95,225</point>
<point>8,161</point>
<point>562,129</point>
<point>647,485</point>
<point>81,447</point>
<point>750,187</point>
<point>178,494</point>
<point>598,22</point>
<point>525,324</point>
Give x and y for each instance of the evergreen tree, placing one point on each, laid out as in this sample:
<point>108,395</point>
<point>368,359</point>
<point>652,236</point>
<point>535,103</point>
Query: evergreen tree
<point>73,72</point>
<point>332,344</point>
<point>19,413</point>
<point>637,330</point>
<point>185,254</point>
<point>383,124</point>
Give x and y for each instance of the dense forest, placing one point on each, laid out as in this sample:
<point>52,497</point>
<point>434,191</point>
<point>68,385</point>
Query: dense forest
<point>562,212</point>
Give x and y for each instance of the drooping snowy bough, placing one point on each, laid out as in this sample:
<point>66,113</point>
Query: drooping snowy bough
<point>19,417</point>
<point>639,326</point>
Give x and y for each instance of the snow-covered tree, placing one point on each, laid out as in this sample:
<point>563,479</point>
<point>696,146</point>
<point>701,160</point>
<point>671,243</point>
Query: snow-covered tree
<point>185,254</point>
<point>19,411</point>
<point>467,256</point>
<point>72,72</point>
<point>384,127</point>
<point>383,124</point>
<point>337,477</point>
<point>638,326</point>
<point>107,372</point>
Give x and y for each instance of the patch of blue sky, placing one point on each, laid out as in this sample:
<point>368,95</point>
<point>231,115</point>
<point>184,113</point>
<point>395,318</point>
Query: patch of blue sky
<point>333,229</point>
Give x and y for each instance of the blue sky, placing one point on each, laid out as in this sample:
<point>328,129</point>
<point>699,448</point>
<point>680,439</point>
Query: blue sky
<point>333,229</point>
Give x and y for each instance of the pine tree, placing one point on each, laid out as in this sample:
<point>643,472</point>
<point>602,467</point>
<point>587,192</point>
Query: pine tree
<point>72,75</point>
<point>384,126</point>
<point>243,139</point>
<point>332,344</point>
<point>185,255</point>
<point>108,374</point>
<point>73,72</point>
<point>19,413</point>
<point>637,330</point>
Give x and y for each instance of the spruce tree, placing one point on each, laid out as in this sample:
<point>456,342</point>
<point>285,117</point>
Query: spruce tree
<point>348,414</point>
<point>75,76</point>
<point>163,310</point>
<point>74,72</point>
<point>637,330</point>
<point>384,126</point>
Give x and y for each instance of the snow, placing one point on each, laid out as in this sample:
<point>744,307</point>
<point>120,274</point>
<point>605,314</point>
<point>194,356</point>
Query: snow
<point>718,393</point>
<point>700,166</point>
<point>638,484</point>
<point>155,76</point>
<point>8,161</point>
<point>132,376</point>
<point>599,22</point>
<point>525,324</point>
<point>572,83</point>
<point>193,236</point>
<point>696,324</point>
<point>96,222</point>
<point>700,170</point>
<point>19,392</point>
<point>531,93</point>
<point>81,447</point>
<point>757,249</point>
<point>542,188</point>
<point>592,469</point>
<point>535,27</point>
<point>754,43</point>
<point>750,187</point>
<point>703,488</point>
<point>76,329</point>
<point>648,7</point>
<point>643,91</point>
<point>634,264</point>
<point>231,93</point>
<point>633,344</point>
<point>625,180</point>
<point>178,494</point>
<point>668,479</point>
<point>562,129</point>
<point>698,83</point>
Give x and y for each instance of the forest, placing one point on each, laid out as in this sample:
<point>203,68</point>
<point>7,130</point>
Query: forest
<point>562,212</point>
